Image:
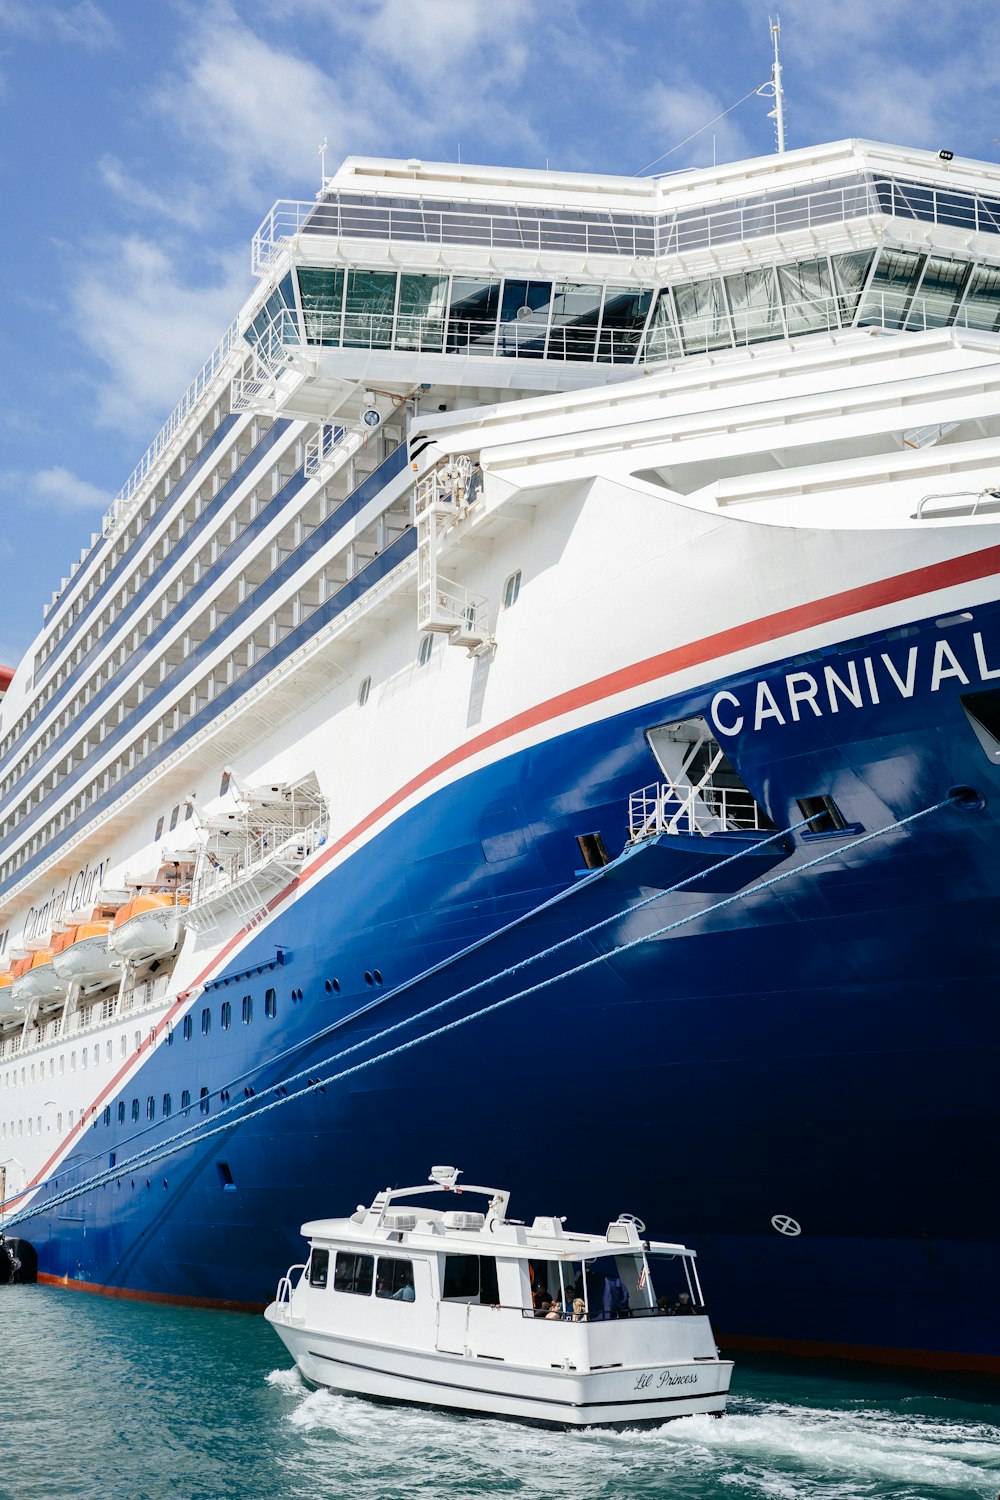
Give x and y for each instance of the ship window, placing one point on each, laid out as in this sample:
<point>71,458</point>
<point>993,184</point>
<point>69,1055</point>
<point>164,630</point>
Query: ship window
<point>188,811</point>
<point>224,783</point>
<point>354,1273</point>
<point>121,1111</point>
<point>226,1015</point>
<point>849,272</point>
<point>270,1004</point>
<point>203,1101</point>
<point>368,309</point>
<point>363,692</point>
<point>175,813</point>
<point>622,322</point>
<point>135,1109</point>
<point>395,1279</point>
<point>511,589</point>
<point>824,815</point>
<point>940,293</point>
<point>186,1028</point>
<point>473,315</point>
<point>890,291</point>
<point>186,1100</point>
<point>319,1267</point>
<point>576,312</point>
<point>424,653</point>
<point>662,340</point>
<point>150,1108</point>
<point>206,1021</point>
<point>807,294</point>
<point>167,1106</point>
<point>159,829</point>
<point>524,318</point>
<point>322,294</point>
<point>226,1177</point>
<point>471,1277</point>
<point>107,1114</point>
<point>981,308</point>
<point>422,304</point>
<point>247,1009</point>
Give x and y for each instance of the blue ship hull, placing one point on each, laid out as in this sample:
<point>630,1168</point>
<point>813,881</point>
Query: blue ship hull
<point>823,1049</point>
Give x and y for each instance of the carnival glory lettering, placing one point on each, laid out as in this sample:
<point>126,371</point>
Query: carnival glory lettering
<point>858,683</point>
<point>78,892</point>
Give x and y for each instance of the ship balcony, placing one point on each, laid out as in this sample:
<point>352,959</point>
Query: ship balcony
<point>664,808</point>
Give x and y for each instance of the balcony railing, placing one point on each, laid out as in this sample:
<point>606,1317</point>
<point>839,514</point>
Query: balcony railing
<point>704,809</point>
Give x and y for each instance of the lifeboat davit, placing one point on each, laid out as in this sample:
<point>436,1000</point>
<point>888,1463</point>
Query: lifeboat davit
<point>148,927</point>
<point>38,981</point>
<point>84,957</point>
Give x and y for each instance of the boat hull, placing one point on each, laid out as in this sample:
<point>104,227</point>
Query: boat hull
<point>557,1397</point>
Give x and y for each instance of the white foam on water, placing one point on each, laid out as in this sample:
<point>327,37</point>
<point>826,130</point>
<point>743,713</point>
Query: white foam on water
<point>773,1451</point>
<point>287,1380</point>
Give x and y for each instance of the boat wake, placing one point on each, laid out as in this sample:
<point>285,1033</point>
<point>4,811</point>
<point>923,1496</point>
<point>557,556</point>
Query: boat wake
<point>766,1449</point>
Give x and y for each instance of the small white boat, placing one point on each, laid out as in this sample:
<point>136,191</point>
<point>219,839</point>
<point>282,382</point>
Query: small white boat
<point>38,981</point>
<point>86,958</point>
<point>477,1312</point>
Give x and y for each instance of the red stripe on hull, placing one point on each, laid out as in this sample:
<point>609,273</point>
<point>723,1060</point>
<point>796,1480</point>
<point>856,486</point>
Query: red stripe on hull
<point>129,1294</point>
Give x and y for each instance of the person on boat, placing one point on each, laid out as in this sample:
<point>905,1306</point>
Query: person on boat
<point>664,1304</point>
<point>555,1313</point>
<point>684,1304</point>
<point>579,1310</point>
<point>405,1293</point>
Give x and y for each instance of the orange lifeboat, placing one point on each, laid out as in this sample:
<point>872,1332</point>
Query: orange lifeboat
<point>38,980</point>
<point>85,957</point>
<point>148,927</point>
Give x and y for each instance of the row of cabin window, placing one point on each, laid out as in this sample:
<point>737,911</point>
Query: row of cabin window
<point>226,1015</point>
<point>465,1276</point>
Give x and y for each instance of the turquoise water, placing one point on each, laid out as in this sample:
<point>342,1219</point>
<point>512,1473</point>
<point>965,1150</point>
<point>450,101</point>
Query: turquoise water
<point>103,1399</point>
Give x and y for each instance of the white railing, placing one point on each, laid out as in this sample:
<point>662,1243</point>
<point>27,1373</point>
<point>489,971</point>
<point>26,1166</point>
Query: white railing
<point>704,809</point>
<point>639,233</point>
<point>147,995</point>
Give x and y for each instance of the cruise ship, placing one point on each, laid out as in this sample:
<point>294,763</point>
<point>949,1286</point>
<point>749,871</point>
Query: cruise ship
<point>537,703</point>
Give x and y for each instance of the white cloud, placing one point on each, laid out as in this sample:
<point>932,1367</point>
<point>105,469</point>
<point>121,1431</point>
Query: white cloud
<point>149,328</point>
<point>672,113</point>
<point>180,207</point>
<point>83,24</point>
<point>56,488</point>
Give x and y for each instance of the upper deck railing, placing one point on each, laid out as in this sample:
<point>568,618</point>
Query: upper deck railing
<point>631,234</point>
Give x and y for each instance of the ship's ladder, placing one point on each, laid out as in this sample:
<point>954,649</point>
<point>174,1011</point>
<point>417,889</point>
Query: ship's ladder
<point>445,496</point>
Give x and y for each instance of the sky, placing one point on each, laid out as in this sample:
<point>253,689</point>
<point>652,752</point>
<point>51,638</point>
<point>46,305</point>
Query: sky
<point>142,142</point>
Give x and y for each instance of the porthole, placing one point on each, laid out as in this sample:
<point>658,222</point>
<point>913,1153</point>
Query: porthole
<point>226,1015</point>
<point>363,692</point>
<point>270,1004</point>
<point>378,976</point>
<point>369,980</point>
<point>426,647</point>
<point>121,1111</point>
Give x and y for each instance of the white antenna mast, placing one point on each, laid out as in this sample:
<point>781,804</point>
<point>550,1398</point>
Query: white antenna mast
<point>322,164</point>
<point>777,114</point>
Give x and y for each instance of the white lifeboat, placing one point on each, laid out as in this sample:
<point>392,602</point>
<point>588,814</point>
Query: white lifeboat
<point>85,956</point>
<point>148,927</point>
<point>38,981</point>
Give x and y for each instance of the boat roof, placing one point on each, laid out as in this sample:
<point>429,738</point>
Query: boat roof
<point>464,1230</point>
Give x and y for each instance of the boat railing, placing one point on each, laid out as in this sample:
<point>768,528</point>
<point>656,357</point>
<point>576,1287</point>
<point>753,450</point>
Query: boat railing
<point>704,809</point>
<point>91,1016</point>
<point>283,1296</point>
<point>627,1313</point>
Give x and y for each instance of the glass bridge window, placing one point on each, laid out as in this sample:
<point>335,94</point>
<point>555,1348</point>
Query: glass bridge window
<point>754,306</point>
<point>276,323</point>
<point>704,318</point>
<point>472,323</point>
<point>662,339</point>
<point>850,272</point>
<point>322,294</point>
<point>981,308</point>
<point>622,322</point>
<point>423,304</point>
<point>890,291</point>
<point>369,305</point>
<point>939,293</point>
<point>807,294</point>
<point>524,318</point>
<point>576,313</point>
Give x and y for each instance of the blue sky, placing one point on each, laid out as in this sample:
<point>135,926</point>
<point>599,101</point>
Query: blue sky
<point>143,141</point>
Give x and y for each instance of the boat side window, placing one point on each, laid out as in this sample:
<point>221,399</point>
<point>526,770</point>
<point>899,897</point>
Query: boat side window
<point>470,1278</point>
<point>319,1267</point>
<point>354,1273</point>
<point>395,1279</point>
<point>186,1028</point>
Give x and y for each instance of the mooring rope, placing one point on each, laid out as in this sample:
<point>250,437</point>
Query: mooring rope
<point>197,1133</point>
